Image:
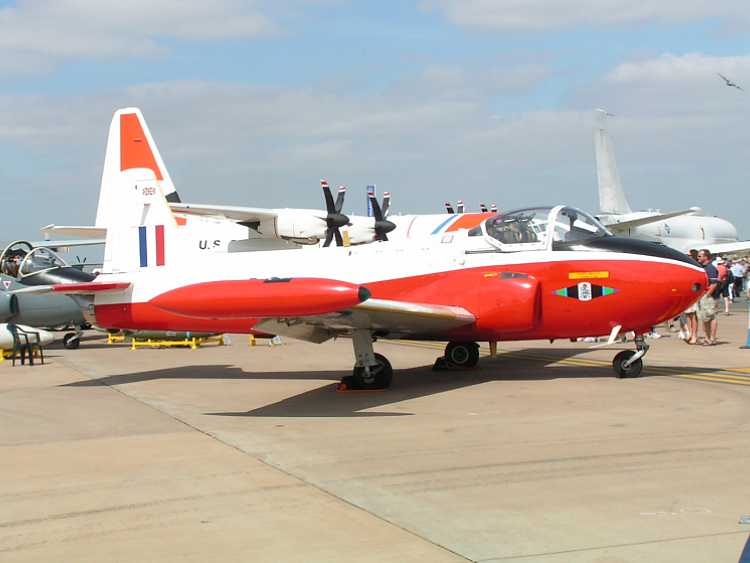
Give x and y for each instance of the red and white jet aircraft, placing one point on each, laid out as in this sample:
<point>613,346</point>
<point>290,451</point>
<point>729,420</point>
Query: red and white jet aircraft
<point>541,273</point>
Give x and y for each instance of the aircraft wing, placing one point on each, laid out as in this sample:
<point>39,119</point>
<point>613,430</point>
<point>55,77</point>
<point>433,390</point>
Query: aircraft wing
<point>81,231</point>
<point>740,247</point>
<point>623,226</point>
<point>233,213</point>
<point>397,318</point>
<point>88,288</point>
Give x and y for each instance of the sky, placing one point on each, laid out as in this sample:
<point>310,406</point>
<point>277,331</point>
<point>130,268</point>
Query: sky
<point>252,102</point>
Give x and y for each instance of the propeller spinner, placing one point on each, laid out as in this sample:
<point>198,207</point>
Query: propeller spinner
<point>382,226</point>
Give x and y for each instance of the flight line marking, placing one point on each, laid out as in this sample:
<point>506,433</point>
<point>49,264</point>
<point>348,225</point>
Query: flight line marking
<point>732,376</point>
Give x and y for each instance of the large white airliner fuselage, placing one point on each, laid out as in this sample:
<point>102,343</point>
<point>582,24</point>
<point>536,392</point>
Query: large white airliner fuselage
<point>684,232</point>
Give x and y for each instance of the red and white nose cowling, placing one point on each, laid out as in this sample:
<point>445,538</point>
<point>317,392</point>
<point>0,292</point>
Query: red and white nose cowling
<point>274,297</point>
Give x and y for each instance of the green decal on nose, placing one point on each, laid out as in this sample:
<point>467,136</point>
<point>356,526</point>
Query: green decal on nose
<point>585,291</point>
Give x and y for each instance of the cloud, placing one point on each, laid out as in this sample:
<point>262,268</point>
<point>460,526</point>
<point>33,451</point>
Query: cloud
<point>539,15</point>
<point>690,67</point>
<point>677,131</point>
<point>686,85</point>
<point>63,29</point>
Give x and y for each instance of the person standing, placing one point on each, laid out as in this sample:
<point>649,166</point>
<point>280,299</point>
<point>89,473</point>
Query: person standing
<point>708,304</point>
<point>738,271</point>
<point>688,319</point>
<point>724,281</point>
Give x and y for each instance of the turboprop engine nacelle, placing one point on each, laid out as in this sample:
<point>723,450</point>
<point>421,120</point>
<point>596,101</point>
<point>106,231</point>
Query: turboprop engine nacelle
<point>8,306</point>
<point>306,227</point>
<point>361,230</point>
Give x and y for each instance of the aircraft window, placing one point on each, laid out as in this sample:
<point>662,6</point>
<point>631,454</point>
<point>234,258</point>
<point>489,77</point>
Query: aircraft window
<point>573,225</point>
<point>40,259</point>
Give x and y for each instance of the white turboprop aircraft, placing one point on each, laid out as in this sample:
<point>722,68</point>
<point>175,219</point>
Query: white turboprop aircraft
<point>684,230</point>
<point>234,228</point>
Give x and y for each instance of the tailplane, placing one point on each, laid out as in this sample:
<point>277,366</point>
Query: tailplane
<point>611,195</point>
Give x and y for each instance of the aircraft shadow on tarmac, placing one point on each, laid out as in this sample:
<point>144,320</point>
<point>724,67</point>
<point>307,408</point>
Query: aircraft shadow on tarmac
<point>324,401</point>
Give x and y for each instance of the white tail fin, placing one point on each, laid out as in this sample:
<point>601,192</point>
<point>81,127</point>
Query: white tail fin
<point>611,195</point>
<point>144,235</point>
<point>130,146</point>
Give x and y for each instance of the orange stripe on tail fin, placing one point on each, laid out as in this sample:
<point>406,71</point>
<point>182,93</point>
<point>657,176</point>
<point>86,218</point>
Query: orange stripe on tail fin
<point>135,151</point>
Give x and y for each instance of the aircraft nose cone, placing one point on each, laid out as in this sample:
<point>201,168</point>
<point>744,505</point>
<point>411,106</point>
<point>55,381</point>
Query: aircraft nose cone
<point>689,286</point>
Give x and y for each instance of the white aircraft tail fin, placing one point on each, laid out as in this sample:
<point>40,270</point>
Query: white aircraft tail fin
<point>611,195</point>
<point>130,146</point>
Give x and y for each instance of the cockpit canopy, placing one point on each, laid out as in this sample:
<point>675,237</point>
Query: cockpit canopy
<point>540,228</point>
<point>21,259</point>
<point>39,260</point>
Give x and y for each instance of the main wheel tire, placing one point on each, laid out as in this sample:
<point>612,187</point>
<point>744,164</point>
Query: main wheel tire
<point>633,370</point>
<point>71,341</point>
<point>462,354</point>
<point>380,375</point>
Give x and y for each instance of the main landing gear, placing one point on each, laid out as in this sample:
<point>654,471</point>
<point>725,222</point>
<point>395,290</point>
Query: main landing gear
<point>72,340</point>
<point>371,370</point>
<point>458,355</point>
<point>629,363</point>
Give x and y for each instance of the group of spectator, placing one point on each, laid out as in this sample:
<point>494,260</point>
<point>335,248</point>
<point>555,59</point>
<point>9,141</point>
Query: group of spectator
<point>728,280</point>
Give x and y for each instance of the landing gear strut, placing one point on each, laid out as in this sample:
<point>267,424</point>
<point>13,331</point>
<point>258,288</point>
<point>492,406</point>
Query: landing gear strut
<point>459,355</point>
<point>371,370</point>
<point>629,363</point>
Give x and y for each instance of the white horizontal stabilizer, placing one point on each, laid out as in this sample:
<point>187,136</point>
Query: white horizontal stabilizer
<point>81,231</point>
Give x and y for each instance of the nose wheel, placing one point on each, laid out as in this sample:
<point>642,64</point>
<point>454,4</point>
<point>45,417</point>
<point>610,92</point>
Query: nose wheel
<point>629,363</point>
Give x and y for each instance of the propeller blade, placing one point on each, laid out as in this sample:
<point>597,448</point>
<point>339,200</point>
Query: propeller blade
<point>334,218</point>
<point>449,207</point>
<point>483,207</point>
<point>382,225</point>
<point>340,199</point>
<point>376,211</point>
<point>386,207</point>
<point>330,206</point>
<point>460,206</point>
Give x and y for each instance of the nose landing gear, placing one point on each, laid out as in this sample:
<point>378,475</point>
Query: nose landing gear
<point>629,363</point>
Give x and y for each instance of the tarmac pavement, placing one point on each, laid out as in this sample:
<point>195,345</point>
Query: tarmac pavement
<point>244,453</point>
